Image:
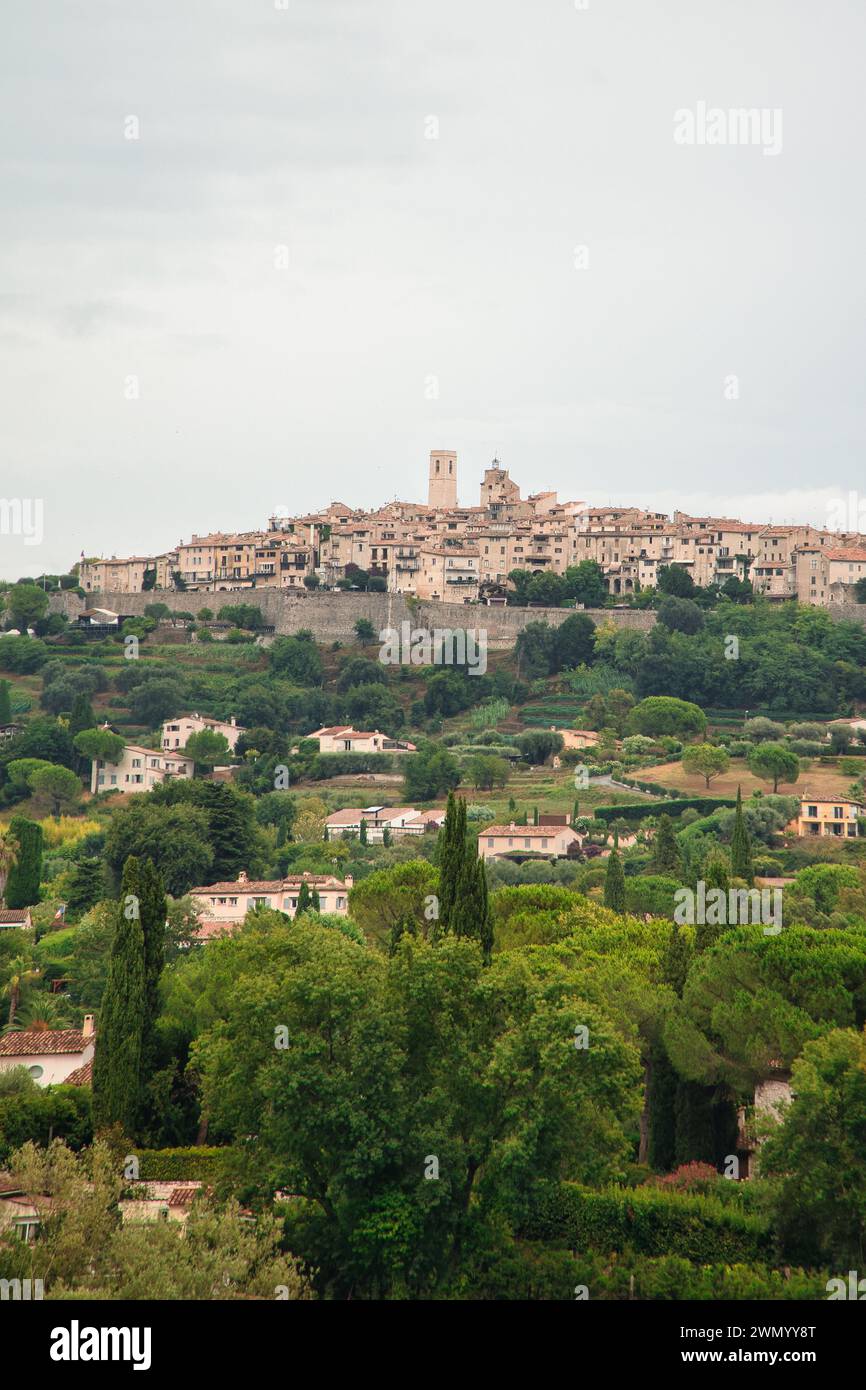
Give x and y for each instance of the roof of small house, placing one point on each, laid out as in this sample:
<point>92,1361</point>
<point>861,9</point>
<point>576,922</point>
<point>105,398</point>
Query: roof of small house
<point>82,1076</point>
<point>9,915</point>
<point>526,830</point>
<point>40,1042</point>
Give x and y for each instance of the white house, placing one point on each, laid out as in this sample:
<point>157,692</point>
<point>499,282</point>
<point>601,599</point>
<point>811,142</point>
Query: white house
<point>342,738</point>
<point>399,820</point>
<point>551,841</point>
<point>175,732</point>
<point>225,905</point>
<point>138,770</point>
<point>52,1056</point>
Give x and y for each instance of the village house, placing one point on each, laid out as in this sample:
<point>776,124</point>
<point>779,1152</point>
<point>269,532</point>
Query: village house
<point>53,1057</point>
<point>828,816</point>
<point>15,917</point>
<point>175,732</point>
<point>549,841</point>
<point>398,820</point>
<point>342,738</point>
<point>138,770</point>
<point>225,905</point>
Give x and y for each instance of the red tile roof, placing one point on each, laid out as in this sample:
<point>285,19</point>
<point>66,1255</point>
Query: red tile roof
<point>82,1076</point>
<point>41,1042</point>
<point>847,553</point>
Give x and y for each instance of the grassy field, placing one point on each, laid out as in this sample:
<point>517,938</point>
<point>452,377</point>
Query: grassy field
<point>817,780</point>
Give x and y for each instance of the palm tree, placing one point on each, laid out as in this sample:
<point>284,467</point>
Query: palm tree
<point>21,973</point>
<point>8,855</point>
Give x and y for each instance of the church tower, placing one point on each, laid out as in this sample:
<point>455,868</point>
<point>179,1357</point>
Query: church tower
<point>443,479</point>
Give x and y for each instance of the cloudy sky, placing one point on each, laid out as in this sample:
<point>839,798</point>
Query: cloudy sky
<point>350,231</point>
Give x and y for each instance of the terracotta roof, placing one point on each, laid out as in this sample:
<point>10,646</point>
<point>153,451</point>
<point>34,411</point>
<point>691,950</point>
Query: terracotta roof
<point>523,830</point>
<point>847,553</point>
<point>183,1196</point>
<point>82,1076</point>
<point>13,914</point>
<point>42,1042</point>
<point>271,885</point>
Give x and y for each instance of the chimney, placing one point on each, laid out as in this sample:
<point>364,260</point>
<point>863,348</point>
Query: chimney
<point>233,722</point>
<point>348,880</point>
<point>242,876</point>
<point>87,1029</point>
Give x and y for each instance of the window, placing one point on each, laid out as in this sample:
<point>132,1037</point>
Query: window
<point>36,1071</point>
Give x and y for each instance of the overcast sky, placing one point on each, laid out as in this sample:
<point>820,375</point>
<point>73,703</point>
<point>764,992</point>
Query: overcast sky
<point>429,293</point>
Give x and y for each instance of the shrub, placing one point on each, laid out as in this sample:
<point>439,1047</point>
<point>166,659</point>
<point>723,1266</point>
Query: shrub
<point>649,1221</point>
<point>201,1164</point>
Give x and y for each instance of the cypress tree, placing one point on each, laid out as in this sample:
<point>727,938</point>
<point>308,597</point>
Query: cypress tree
<point>81,716</point>
<point>362,832</point>
<point>741,846</point>
<point>315,902</point>
<point>695,1137</point>
<point>666,856</point>
<point>117,1059</point>
<point>661,1102</point>
<point>464,908</point>
<point>535,816</point>
<point>614,883</point>
<point>304,900</point>
<point>386,836</point>
<point>451,847</point>
<point>22,885</point>
<point>404,926</point>
<point>675,963</point>
<point>87,887</point>
<point>152,910</point>
<point>5,703</point>
<point>575,813</point>
<point>663,1081</point>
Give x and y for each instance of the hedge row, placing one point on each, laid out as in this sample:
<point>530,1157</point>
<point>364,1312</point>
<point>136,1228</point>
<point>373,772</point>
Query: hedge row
<point>636,810</point>
<point>202,1164</point>
<point>648,1221</point>
<point>534,1273</point>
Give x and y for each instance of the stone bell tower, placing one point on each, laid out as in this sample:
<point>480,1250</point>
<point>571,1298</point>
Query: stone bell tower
<point>443,479</point>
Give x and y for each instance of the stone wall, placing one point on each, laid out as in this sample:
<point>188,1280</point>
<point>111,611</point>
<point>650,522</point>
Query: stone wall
<point>331,617</point>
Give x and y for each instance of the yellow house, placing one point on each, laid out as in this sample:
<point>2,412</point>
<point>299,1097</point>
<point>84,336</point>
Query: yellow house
<point>828,816</point>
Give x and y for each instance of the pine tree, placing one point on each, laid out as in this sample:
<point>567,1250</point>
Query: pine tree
<point>741,846</point>
<point>22,885</point>
<point>117,1058</point>
<point>614,883</point>
<point>5,703</point>
<point>666,854</point>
